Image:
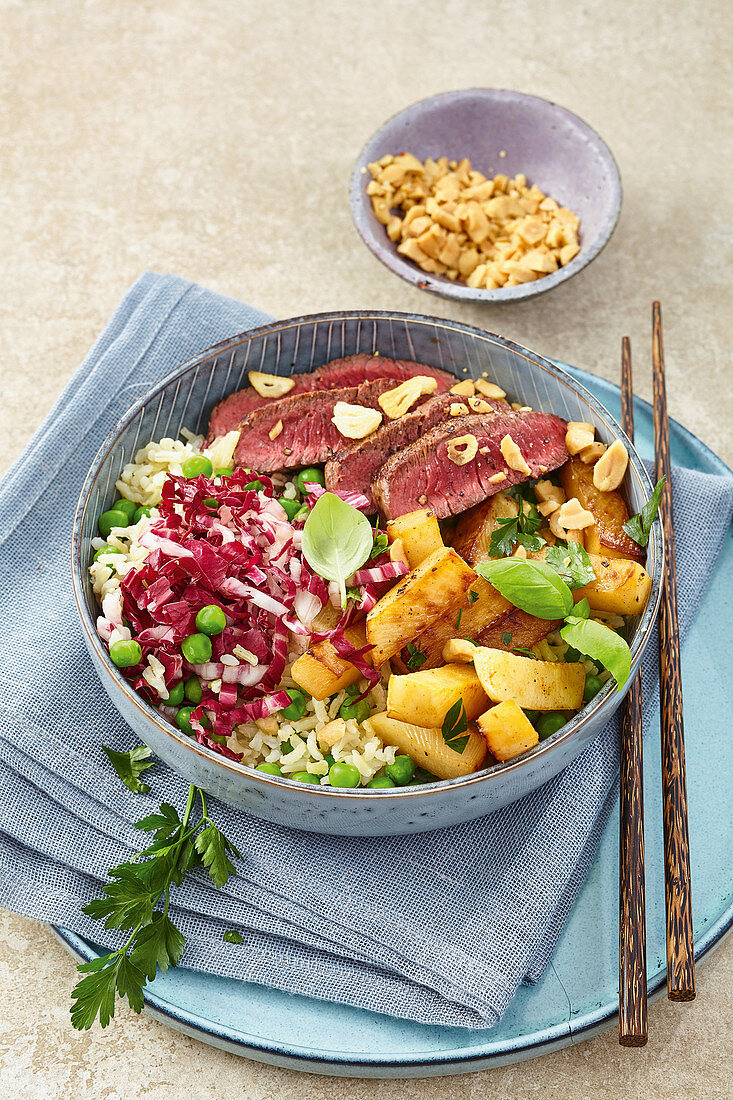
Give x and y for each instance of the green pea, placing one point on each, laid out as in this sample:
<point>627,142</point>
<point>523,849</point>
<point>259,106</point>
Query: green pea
<point>306,777</point>
<point>197,465</point>
<point>175,695</point>
<point>593,685</point>
<point>379,782</point>
<point>402,771</point>
<point>211,503</point>
<point>256,485</point>
<point>270,769</point>
<point>192,690</point>
<point>183,720</point>
<point>352,691</point>
<point>218,737</point>
<point>302,514</point>
<point>358,710</point>
<point>310,474</point>
<point>129,507</point>
<point>106,550</point>
<point>296,707</point>
<point>532,716</point>
<point>196,648</point>
<point>211,619</point>
<point>549,722</point>
<point>292,507</point>
<point>110,519</point>
<point>343,775</point>
<point>143,510</point>
<point>126,653</point>
<point>224,471</point>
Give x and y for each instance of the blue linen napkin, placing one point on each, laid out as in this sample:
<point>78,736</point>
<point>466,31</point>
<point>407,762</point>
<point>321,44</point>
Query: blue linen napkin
<point>383,924</point>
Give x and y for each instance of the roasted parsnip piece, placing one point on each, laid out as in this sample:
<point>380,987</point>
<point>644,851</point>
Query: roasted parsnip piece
<point>507,730</point>
<point>419,532</point>
<point>321,672</point>
<point>609,509</point>
<point>424,698</point>
<point>427,747</point>
<point>533,685</point>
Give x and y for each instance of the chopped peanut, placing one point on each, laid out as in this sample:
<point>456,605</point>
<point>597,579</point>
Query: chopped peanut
<point>458,649</point>
<point>610,468</point>
<point>275,432</point>
<point>513,457</point>
<point>578,436</point>
<point>331,732</point>
<point>592,453</point>
<point>489,389</point>
<point>573,516</point>
<point>495,478</point>
<point>458,409</point>
<point>465,388</point>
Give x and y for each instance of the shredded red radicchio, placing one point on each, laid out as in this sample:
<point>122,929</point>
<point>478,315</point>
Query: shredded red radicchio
<point>244,555</point>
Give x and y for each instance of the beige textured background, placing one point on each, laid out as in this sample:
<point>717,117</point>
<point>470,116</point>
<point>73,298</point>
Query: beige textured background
<point>215,140</point>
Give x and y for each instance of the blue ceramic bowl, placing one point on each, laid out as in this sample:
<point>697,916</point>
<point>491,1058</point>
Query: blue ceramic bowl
<point>185,399</point>
<point>552,147</point>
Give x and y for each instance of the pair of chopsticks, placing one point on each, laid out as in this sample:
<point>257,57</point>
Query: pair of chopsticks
<point>678,897</point>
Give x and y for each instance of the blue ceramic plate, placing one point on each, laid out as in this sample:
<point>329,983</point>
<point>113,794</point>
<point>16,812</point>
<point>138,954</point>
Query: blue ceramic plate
<point>578,995</point>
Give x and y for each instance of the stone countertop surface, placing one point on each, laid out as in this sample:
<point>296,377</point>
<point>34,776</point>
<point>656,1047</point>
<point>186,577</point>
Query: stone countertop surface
<point>215,141</point>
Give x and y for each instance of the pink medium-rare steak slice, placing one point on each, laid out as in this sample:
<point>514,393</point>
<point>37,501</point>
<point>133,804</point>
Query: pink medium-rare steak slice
<point>302,426</point>
<point>338,374</point>
<point>357,465</point>
<point>423,474</point>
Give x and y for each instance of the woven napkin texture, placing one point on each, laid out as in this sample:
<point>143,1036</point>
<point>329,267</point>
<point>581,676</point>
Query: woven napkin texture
<point>387,924</point>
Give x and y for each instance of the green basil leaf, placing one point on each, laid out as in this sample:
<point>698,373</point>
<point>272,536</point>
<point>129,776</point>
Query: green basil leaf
<point>600,643</point>
<point>337,540</point>
<point>581,609</point>
<point>571,563</point>
<point>639,526</point>
<point>531,586</point>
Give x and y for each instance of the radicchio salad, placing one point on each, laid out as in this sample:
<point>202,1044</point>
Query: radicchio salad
<point>372,575</point>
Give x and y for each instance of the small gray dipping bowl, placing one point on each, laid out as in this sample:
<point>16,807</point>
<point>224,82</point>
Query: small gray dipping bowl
<point>185,399</point>
<point>552,147</point>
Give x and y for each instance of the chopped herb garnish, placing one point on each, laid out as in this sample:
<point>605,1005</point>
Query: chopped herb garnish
<point>524,652</point>
<point>416,656</point>
<point>354,594</point>
<point>459,617</point>
<point>381,543</point>
<point>572,563</point>
<point>506,637</point>
<point>640,525</point>
<point>455,723</point>
<point>232,936</point>
<point>472,596</point>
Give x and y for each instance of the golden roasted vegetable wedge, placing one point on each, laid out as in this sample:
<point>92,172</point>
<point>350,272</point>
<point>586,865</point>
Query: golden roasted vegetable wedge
<point>507,730</point>
<point>424,698</point>
<point>428,749</point>
<point>621,586</point>
<point>419,532</point>
<point>321,672</point>
<point>476,526</point>
<point>534,685</point>
<point>609,509</point>
<point>479,606</point>
<point>524,630</point>
<point>434,589</point>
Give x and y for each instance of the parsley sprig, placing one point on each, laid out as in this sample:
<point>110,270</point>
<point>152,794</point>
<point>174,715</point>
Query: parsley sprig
<point>517,529</point>
<point>131,898</point>
<point>571,562</point>
<point>639,526</point>
<point>416,656</point>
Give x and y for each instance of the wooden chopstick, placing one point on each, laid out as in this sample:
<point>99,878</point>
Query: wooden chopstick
<point>632,988</point>
<point>678,892</point>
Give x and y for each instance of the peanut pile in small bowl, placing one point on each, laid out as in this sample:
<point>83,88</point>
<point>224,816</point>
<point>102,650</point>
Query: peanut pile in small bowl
<point>452,220</point>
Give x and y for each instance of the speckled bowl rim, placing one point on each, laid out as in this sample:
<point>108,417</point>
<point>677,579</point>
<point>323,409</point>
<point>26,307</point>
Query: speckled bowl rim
<point>381,246</point>
<point>495,772</point>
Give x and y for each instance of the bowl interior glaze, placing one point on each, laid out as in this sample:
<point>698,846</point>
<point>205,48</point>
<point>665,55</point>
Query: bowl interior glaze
<point>549,144</point>
<point>185,399</point>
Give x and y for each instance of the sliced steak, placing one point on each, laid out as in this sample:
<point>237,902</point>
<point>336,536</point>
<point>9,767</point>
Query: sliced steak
<point>357,465</point>
<point>338,374</point>
<point>308,434</point>
<point>423,474</point>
